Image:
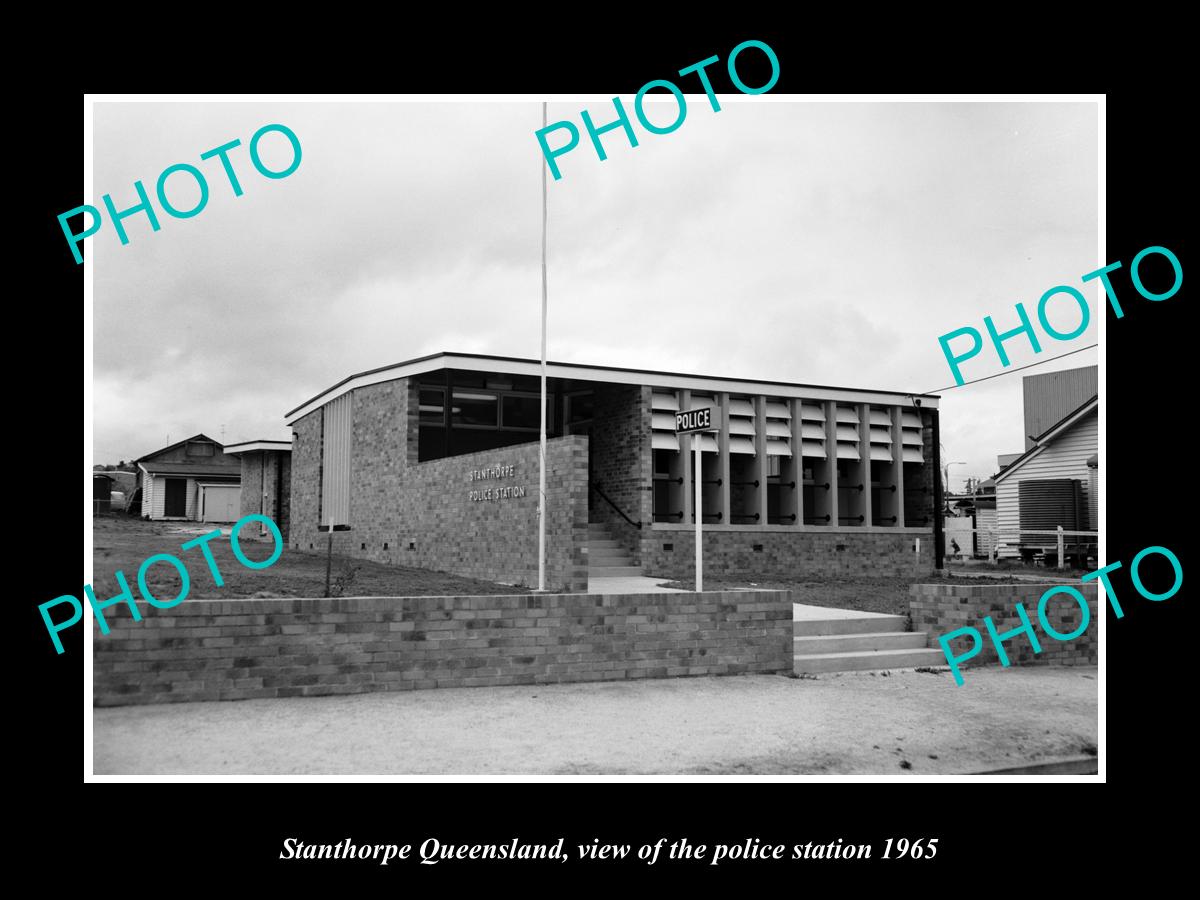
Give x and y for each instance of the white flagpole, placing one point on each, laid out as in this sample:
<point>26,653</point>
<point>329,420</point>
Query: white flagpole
<point>542,451</point>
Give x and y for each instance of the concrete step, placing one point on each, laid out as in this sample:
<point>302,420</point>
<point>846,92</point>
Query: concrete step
<point>606,550</point>
<point>856,643</point>
<point>817,663</point>
<point>603,544</point>
<point>857,625</point>
<point>613,571</point>
<point>610,561</point>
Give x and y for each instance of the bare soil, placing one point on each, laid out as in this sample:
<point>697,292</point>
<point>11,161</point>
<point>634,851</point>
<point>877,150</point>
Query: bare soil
<point>905,724</point>
<point>121,543</point>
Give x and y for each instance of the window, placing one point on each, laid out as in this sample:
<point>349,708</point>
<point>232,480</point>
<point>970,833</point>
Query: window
<point>433,406</point>
<point>522,413</point>
<point>475,409</point>
<point>580,408</point>
<point>200,448</point>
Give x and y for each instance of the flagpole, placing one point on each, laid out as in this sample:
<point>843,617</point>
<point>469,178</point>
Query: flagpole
<point>542,451</point>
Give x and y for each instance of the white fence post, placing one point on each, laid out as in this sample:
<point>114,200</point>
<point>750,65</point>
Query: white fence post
<point>1059,538</point>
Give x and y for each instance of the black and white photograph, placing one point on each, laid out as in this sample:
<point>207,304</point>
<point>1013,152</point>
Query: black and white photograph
<point>691,433</point>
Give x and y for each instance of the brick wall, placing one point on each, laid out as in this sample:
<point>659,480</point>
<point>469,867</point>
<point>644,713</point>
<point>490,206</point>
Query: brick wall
<point>786,552</point>
<point>621,460</point>
<point>941,608</point>
<point>269,472</point>
<point>236,650</point>
<point>422,514</point>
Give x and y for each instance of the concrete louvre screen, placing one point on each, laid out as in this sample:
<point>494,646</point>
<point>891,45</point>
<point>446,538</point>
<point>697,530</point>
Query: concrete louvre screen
<point>941,608</point>
<point>246,649</point>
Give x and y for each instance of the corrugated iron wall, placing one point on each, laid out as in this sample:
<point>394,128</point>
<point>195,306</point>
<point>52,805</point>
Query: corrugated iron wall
<point>335,462</point>
<point>1051,396</point>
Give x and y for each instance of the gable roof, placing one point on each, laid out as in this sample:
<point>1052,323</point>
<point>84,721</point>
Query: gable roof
<point>1043,440</point>
<point>208,470</point>
<point>194,437</point>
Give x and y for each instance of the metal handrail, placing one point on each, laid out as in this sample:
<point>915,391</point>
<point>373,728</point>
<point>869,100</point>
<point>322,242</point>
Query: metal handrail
<point>603,496</point>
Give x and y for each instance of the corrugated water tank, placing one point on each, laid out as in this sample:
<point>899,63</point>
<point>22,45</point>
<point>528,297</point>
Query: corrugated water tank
<point>1047,503</point>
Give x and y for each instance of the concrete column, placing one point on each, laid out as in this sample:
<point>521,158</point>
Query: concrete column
<point>831,459</point>
<point>760,456</point>
<point>723,461</point>
<point>898,463</point>
<point>864,451</point>
<point>797,460</point>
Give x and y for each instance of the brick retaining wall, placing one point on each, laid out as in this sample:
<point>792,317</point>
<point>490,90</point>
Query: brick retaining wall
<point>786,552</point>
<point>941,608</point>
<point>244,649</point>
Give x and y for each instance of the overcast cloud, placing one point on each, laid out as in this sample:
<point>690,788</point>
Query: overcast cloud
<point>805,242</point>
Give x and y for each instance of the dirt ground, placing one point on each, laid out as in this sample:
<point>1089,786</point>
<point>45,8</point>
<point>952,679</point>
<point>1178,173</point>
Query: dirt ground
<point>121,543</point>
<point>905,723</point>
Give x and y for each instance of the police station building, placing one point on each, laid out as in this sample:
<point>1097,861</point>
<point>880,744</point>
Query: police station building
<point>434,463</point>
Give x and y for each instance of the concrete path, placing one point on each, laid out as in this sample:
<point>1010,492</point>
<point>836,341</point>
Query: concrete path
<point>802,611</point>
<point>630,584</point>
<point>904,724</point>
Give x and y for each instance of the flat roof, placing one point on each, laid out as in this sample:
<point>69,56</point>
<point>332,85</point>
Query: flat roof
<point>509,365</point>
<point>249,446</point>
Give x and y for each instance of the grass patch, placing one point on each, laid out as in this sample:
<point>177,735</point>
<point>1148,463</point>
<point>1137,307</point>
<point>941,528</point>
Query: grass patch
<point>122,544</point>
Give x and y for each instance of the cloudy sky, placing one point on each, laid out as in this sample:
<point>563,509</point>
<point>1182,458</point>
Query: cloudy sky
<point>808,242</point>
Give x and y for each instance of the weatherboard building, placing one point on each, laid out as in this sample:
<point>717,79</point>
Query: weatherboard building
<point>433,463</point>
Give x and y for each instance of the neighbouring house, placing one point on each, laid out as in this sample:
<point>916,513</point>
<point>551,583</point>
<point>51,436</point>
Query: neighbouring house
<point>1054,482</point>
<point>112,489</point>
<point>266,470</point>
<point>434,462</point>
<point>193,479</point>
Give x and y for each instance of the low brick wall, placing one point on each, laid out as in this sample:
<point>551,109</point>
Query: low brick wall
<point>243,649</point>
<point>941,608</point>
<point>786,551</point>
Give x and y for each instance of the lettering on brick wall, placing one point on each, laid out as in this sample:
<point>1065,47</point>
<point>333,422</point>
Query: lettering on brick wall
<point>513,492</point>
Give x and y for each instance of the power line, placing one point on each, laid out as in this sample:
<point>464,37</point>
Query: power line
<point>1010,371</point>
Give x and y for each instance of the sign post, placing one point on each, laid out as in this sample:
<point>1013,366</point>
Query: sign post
<point>695,422</point>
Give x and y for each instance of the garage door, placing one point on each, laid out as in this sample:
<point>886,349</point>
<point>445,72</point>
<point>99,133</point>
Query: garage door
<point>220,503</point>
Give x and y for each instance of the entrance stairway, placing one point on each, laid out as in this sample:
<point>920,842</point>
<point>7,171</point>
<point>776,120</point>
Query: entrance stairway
<point>606,557</point>
<point>833,640</point>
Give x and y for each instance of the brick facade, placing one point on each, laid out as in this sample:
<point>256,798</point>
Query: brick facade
<point>244,649</point>
<point>419,513</point>
<point>621,460</point>
<point>424,513</point>
<point>267,486</point>
<point>787,552</point>
<point>941,608</point>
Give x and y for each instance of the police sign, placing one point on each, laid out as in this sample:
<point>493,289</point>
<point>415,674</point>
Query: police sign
<point>693,421</point>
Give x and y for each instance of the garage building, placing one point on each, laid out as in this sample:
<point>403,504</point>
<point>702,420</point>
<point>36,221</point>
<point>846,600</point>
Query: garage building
<point>192,480</point>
